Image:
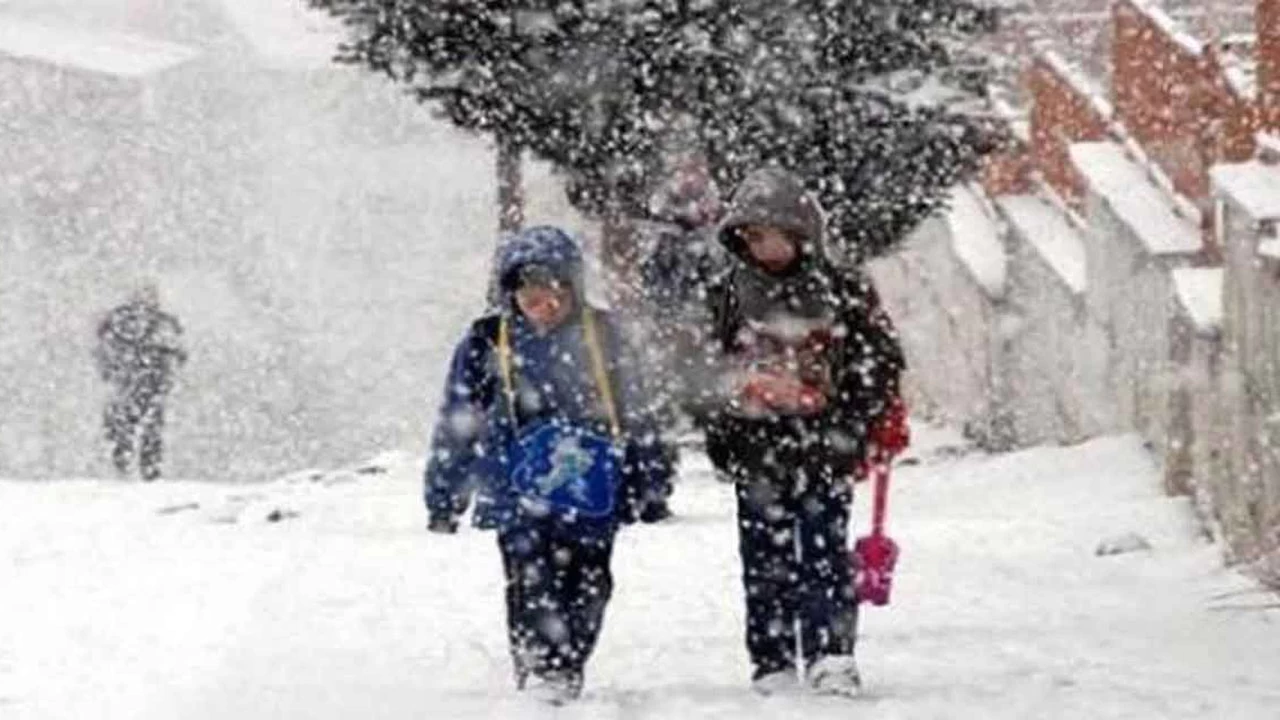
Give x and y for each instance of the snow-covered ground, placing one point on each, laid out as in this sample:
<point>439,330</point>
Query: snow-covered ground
<point>183,600</point>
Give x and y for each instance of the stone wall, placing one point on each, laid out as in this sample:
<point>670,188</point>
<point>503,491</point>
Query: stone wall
<point>1057,390</point>
<point>1135,300</point>
<point>946,316</point>
<point>1244,480</point>
<point>1101,326</point>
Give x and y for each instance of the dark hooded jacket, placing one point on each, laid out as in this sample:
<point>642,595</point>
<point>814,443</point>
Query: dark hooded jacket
<point>678,254</point>
<point>553,378</point>
<point>678,260</point>
<point>755,312</point>
<point>139,349</point>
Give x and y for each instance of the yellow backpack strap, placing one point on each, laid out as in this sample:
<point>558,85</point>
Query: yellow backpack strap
<point>504,366</point>
<point>598,369</point>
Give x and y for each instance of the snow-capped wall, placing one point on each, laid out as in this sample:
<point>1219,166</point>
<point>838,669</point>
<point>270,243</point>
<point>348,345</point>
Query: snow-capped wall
<point>1244,479</point>
<point>1102,327</point>
<point>1079,338</point>
<point>947,317</point>
<point>1193,431</point>
<point>1164,343</point>
<point>1135,241</point>
<point>1059,390</point>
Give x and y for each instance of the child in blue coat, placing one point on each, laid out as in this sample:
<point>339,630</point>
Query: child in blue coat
<point>544,423</point>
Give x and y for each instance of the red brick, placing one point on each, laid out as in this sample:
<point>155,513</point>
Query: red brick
<point>1268,31</point>
<point>1008,172</point>
<point>1061,114</point>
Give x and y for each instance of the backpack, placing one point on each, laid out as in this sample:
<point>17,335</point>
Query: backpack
<point>561,467</point>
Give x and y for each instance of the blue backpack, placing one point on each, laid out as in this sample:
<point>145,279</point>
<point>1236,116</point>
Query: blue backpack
<point>558,466</point>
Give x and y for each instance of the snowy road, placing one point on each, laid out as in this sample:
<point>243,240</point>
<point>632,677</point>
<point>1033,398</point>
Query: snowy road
<point>112,609</point>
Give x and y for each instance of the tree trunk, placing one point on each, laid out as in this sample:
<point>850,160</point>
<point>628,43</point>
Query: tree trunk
<point>510,186</point>
<point>510,178</point>
<point>619,258</point>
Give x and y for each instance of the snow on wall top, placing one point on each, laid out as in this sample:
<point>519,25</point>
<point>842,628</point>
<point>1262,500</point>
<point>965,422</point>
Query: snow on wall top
<point>975,237</point>
<point>1170,27</point>
<point>1240,67</point>
<point>1270,249</point>
<point>286,34</point>
<point>1199,293</point>
<point>1080,82</point>
<point>1253,185</point>
<point>1018,120</point>
<point>1141,205</point>
<point>101,52</point>
<point>1268,144</point>
<point>1049,231</point>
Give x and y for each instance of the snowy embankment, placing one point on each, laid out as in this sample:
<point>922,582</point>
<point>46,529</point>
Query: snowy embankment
<point>321,596</point>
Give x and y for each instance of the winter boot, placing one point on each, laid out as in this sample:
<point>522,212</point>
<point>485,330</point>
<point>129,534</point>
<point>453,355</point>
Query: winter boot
<point>779,682</point>
<point>522,677</point>
<point>836,675</point>
<point>121,455</point>
<point>655,513</point>
<point>559,687</point>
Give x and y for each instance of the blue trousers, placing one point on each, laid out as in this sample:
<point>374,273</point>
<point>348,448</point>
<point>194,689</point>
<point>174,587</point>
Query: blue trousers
<point>793,539</point>
<point>558,584</point>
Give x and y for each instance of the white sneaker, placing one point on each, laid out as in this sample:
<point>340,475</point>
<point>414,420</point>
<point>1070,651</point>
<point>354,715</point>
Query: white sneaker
<point>782,682</point>
<point>554,688</point>
<point>836,675</point>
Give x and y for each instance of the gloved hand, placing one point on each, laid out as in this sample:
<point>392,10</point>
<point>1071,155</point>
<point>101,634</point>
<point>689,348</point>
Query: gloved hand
<point>443,525</point>
<point>777,392</point>
<point>891,435</point>
<point>889,438</point>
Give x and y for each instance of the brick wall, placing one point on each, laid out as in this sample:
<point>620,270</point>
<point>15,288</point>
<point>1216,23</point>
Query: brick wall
<point>1009,172</point>
<point>1204,390</point>
<point>1268,31</point>
<point>1244,481</point>
<point>1062,113</point>
<point>1171,95</point>
<point>1169,92</point>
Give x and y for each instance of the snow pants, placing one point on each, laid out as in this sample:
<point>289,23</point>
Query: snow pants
<point>558,582</point>
<point>793,538</point>
<point>133,423</point>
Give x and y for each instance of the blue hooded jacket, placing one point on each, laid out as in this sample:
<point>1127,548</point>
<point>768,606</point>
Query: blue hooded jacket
<point>553,378</point>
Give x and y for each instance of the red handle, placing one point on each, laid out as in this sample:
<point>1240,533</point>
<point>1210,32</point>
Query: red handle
<point>880,469</point>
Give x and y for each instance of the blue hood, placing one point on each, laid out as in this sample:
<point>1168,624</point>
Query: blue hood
<point>543,245</point>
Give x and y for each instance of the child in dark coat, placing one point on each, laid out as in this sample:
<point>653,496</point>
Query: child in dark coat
<point>813,367</point>
<point>542,422</point>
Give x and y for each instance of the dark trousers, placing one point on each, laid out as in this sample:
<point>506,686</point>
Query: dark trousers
<point>135,422</point>
<point>793,528</point>
<point>558,584</point>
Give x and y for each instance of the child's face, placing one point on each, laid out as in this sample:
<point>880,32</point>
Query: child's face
<point>546,306</point>
<point>773,248</point>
